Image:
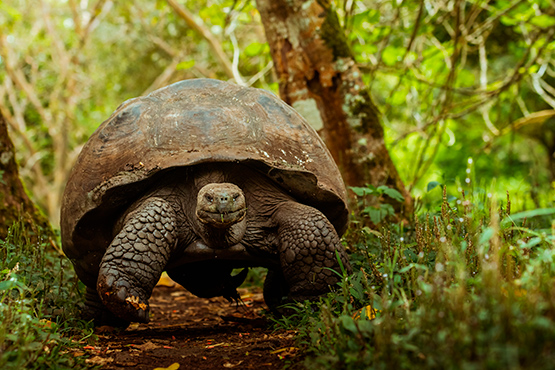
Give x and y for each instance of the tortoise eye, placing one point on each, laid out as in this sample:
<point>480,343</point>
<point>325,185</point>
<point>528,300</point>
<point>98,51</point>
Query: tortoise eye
<point>235,197</point>
<point>209,198</point>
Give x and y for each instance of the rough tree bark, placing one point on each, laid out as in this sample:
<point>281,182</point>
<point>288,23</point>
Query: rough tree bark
<point>318,76</point>
<point>14,202</point>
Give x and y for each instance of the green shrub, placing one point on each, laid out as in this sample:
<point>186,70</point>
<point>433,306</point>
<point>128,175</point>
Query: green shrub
<point>466,288</point>
<point>37,305</point>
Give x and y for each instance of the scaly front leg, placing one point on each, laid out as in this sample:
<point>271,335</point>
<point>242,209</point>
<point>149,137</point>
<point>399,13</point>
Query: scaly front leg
<point>136,258</point>
<point>308,244</point>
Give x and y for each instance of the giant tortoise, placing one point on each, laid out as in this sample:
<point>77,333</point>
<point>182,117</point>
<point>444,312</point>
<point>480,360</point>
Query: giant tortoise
<point>197,179</point>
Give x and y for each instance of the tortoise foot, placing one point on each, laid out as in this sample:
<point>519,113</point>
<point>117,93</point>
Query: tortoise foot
<point>100,315</point>
<point>122,299</point>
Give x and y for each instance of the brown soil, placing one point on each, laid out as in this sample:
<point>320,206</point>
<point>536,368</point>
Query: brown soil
<point>188,332</point>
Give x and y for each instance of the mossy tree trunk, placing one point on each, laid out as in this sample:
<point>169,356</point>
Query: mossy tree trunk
<point>318,76</point>
<point>15,205</point>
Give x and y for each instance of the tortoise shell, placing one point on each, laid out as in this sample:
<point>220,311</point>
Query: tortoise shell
<point>190,123</point>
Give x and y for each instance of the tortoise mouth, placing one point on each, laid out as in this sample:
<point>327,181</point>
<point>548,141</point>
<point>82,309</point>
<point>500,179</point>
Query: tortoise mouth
<point>221,220</point>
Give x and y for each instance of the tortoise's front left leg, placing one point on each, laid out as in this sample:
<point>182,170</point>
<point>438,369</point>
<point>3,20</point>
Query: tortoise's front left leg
<point>308,244</point>
<point>136,258</point>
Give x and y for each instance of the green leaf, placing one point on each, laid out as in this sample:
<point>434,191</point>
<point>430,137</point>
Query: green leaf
<point>185,65</point>
<point>530,214</point>
<point>6,284</point>
<point>374,214</point>
<point>543,21</point>
<point>368,16</point>
<point>532,242</point>
<point>387,209</point>
<point>348,323</point>
<point>411,256</point>
<point>254,49</point>
<point>432,185</point>
<point>362,191</point>
<point>392,55</point>
<point>358,191</point>
<point>486,236</point>
<point>392,193</point>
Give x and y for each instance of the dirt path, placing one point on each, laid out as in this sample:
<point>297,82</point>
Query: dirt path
<point>198,334</point>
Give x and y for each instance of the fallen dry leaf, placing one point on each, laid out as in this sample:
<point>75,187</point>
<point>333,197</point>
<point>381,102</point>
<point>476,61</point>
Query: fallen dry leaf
<point>210,346</point>
<point>146,346</point>
<point>229,364</point>
<point>47,323</point>
<point>99,361</point>
<point>165,280</point>
<point>173,366</point>
<point>283,350</point>
<point>367,312</point>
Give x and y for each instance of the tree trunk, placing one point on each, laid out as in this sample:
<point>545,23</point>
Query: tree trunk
<point>318,76</point>
<point>15,205</point>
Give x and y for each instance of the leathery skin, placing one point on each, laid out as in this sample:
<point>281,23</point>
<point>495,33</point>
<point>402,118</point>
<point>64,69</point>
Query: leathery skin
<point>308,246</point>
<point>136,258</point>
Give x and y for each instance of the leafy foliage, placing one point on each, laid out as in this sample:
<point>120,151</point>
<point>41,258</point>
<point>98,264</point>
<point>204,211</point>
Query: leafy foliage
<point>458,80</point>
<point>367,205</point>
<point>38,306</point>
<point>468,287</point>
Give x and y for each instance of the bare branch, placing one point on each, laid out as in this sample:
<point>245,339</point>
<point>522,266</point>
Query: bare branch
<point>16,122</point>
<point>19,79</point>
<point>235,65</point>
<point>207,35</point>
<point>165,76</point>
<point>99,8</point>
<point>260,74</point>
<point>76,17</point>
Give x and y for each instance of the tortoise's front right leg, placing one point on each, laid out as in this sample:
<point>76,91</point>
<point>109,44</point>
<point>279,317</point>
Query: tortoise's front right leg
<point>136,258</point>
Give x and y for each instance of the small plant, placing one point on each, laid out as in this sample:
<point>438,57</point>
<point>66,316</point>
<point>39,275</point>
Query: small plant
<point>372,203</point>
<point>37,305</point>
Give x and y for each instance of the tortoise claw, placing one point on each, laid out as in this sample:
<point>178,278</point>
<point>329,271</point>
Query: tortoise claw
<point>122,300</point>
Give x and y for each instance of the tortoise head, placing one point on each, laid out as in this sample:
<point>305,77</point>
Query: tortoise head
<point>221,205</point>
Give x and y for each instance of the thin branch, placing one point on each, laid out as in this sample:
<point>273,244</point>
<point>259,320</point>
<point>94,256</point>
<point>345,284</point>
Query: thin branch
<point>19,79</point>
<point>163,45</point>
<point>98,10</point>
<point>384,42</point>
<point>235,64</point>
<point>261,73</point>
<point>407,51</point>
<point>165,76</point>
<point>207,35</point>
<point>59,48</point>
<point>76,17</point>
<point>16,121</point>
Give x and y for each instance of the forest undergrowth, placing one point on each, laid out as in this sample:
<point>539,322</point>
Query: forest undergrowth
<point>467,285</point>
<point>39,304</point>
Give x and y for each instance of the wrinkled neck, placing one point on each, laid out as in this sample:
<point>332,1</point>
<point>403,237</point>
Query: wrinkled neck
<point>221,238</point>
